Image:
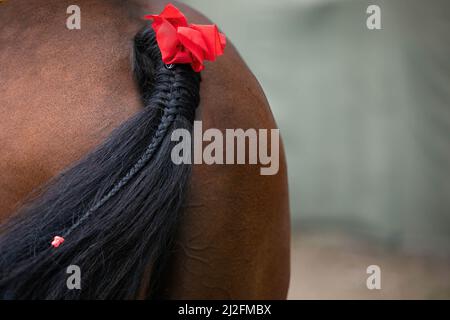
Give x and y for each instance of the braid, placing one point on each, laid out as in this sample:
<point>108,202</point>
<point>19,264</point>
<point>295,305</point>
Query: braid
<point>169,94</point>
<point>128,189</point>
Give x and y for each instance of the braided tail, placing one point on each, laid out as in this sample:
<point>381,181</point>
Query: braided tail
<point>170,112</point>
<point>117,208</point>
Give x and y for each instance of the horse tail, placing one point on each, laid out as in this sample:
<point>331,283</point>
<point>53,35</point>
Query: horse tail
<point>117,208</point>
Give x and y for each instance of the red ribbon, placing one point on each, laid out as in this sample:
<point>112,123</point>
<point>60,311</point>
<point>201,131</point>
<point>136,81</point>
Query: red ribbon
<point>181,42</point>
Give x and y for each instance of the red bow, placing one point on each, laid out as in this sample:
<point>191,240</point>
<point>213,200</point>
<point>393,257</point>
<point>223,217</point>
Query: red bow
<point>181,42</point>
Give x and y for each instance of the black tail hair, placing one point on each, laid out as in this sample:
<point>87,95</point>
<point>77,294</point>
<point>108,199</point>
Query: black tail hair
<point>118,207</point>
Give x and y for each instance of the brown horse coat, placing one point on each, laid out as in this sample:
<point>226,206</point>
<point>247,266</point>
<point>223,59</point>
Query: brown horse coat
<point>63,91</point>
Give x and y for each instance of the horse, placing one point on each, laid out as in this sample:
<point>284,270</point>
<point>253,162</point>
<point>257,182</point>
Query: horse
<point>74,121</point>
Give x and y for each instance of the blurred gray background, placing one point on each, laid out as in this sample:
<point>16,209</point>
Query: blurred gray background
<point>365,118</point>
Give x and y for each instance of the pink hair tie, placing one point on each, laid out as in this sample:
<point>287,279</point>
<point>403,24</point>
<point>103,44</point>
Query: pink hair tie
<point>57,241</point>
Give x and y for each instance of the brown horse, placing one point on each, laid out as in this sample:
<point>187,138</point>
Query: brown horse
<point>62,92</point>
